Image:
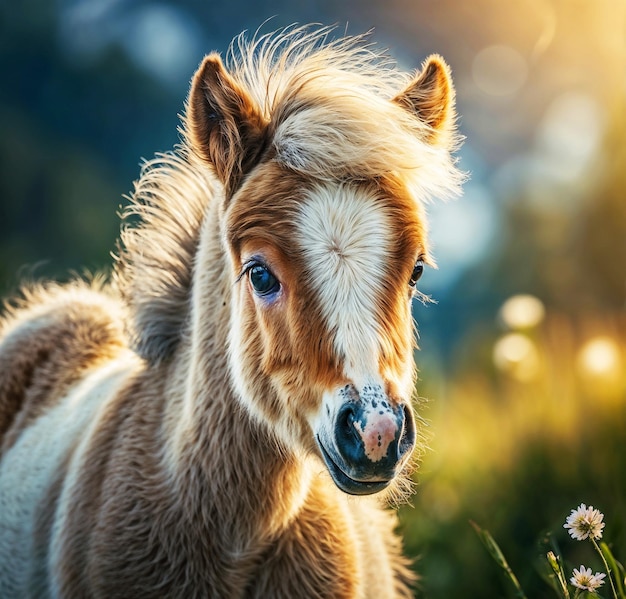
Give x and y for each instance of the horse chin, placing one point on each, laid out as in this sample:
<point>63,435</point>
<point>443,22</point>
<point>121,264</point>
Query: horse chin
<point>347,484</point>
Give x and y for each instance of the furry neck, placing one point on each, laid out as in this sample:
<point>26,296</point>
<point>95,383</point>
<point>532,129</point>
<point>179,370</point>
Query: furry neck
<point>245,478</point>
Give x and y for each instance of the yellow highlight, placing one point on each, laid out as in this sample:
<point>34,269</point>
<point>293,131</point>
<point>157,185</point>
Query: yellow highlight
<point>517,355</point>
<point>522,312</point>
<point>600,357</point>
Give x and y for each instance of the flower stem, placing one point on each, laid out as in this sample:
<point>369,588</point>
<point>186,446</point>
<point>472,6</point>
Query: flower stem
<point>557,568</point>
<point>617,569</point>
<point>606,566</point>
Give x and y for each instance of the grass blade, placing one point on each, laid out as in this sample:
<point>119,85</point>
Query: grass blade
<point>496,553</point>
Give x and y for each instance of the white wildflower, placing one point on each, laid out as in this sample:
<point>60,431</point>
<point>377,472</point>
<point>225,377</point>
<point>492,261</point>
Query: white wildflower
<point>584,579</point>
<point>585,522</point>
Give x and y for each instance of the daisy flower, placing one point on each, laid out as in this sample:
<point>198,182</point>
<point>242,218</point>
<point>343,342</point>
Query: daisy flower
<point>585,522</point>
<point>584,579</point>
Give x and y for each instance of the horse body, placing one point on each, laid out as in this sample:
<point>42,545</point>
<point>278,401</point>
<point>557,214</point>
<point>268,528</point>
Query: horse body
<point>200,426</point>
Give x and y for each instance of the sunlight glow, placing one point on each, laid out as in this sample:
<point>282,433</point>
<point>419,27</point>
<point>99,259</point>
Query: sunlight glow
<point>522,312</point>
<point>569,136</point>
<point>516,355</point>
<point>600,357</point>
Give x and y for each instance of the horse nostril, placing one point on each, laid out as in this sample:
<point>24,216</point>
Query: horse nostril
<point>345,423</point>
<point>407,439</point>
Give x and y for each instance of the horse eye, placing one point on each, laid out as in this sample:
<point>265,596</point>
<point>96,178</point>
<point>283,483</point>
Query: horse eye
<point>418,269</point>
<point>263,281</point>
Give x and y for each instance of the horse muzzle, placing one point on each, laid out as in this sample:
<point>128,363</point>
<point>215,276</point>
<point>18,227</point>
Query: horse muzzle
<point>370,442</point>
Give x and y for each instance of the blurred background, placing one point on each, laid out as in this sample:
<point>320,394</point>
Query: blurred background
<point>523,357</point>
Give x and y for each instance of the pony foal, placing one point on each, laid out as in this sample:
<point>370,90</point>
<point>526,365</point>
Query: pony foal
<point>226,417</point>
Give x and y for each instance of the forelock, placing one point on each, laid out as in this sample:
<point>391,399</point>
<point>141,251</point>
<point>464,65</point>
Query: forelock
<point>328,103</point>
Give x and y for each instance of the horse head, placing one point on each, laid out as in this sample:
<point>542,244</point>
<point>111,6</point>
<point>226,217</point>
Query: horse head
<point>326,157</point>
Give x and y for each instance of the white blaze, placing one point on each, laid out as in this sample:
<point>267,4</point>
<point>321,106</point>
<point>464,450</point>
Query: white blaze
<point>344,234</point>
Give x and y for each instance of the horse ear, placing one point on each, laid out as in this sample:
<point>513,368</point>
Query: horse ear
<point>431,97</point>
<point>223,123</point>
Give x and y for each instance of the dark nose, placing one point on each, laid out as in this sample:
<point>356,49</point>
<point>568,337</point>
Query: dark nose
<point>372,436</point>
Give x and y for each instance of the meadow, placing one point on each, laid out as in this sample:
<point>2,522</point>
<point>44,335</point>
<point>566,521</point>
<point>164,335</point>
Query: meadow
<point>531,425</point>
<point>523,360</point>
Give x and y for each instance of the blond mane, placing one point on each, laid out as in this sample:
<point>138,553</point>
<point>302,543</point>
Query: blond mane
<point>328,105</point>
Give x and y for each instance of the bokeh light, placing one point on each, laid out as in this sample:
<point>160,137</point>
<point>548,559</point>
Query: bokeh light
<point>163,40</point>
<point>522,312</point>
<point>568,137</point>
<point>499,70</point>
<point>462,237</point>
<point>516,355</point>
<point>600,357</point>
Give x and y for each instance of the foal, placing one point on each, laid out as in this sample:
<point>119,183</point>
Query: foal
<point>216,421</point>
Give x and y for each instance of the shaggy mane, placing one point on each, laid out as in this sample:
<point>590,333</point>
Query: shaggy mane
<point>328,103</point>
<point>157,247</point>
<point>330,117</point>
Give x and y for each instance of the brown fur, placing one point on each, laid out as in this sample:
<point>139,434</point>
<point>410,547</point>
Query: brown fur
<point>39,362</point>
<point>137,460</point>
